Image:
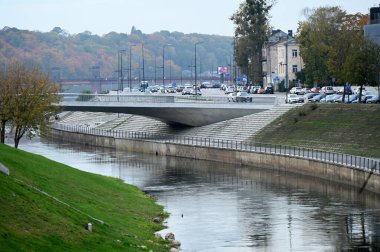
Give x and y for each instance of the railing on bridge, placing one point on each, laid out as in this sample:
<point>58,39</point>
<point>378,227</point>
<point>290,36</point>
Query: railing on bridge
<point>165,98</point>
<point>357,162</point>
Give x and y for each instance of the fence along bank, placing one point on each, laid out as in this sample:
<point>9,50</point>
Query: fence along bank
<point>361,172</point>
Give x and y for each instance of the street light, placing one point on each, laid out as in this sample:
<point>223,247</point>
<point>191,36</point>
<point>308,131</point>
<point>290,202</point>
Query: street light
<point>195,65</point>
<point>120,70</point>
<point>130,67</point>
<point>163,64</point>
<point>143,62</point>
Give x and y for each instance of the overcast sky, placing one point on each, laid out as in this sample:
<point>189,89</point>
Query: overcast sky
<point>190,16</point>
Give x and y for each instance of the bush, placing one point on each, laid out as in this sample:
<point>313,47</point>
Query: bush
<point>314,106</point>
<point>302,113</point>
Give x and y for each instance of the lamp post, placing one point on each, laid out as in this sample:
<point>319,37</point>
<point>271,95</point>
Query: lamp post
<point>143,62</point>
<point>286,69</point>
<point>163,65</point>
<point>120,70</point>
<point>130,67</point>
<point>195,66</point>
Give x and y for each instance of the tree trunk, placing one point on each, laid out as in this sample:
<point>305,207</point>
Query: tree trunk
<point>360,93</point>
<point>19,132</point>
<point>2,131</point>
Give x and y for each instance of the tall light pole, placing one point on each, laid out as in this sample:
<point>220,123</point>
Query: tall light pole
<point>143,62</point>
<point>120,70</point>
<point>195,65</point>
<point>130,67</point>
<point>163,64</point>
<point>287,68</point>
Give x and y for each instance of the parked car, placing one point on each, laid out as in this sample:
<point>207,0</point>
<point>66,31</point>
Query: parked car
<point>357,90</point>
<point>297,90</point>
<point>261,91</point>
<point>350,98</point>
<point>196,92</point>
<point>171,90</point>
<point>315,90</point>
<point>332,98</point>
<point>229,90</point>
<point>372,99</point>
<point>254,89</point>
<point>318,97</point>
<point>348,91</point>
<point>232,97</point>
<point>293,98</point>
<point>187,90</point>
<point>269,90</point>
<point>327,90</point>
<point>308,96</point>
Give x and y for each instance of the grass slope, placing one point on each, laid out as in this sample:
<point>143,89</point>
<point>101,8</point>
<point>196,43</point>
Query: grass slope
<point>347,128</point>
<point>31,221</point>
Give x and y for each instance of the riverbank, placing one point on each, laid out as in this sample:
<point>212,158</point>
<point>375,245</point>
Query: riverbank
<point>355,171</point>
<point>344,128</point>
<point>46,205</point>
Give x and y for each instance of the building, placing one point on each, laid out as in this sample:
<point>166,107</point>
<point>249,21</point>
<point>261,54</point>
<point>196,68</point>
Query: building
<point>372,30</point>
<point>281,58</point>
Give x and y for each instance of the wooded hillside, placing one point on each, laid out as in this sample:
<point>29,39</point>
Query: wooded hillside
<point>84,55</point>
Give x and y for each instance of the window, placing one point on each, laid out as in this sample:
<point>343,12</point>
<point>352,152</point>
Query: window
<point>295,68</point>
<point>294,53</point>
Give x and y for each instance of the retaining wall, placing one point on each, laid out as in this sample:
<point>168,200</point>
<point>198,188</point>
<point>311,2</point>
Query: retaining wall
<point>329,171</point>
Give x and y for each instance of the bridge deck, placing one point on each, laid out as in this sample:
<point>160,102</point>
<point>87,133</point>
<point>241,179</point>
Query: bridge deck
<point>172,109</point>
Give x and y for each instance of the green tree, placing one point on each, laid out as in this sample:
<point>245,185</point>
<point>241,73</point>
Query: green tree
<point>30,99</point>
<point>363,63</point>
<point>342,46</point>
<point>316,35</point>
<point>251,31</point>
<point>5,98</point>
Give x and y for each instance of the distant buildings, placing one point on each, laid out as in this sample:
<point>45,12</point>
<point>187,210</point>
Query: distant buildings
<point>372,30</point>
<point>281,58</point>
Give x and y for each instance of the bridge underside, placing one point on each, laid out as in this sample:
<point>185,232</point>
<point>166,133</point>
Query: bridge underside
<point>184,115</point>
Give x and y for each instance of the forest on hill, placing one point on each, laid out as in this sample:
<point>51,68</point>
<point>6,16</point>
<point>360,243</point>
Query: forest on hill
<point>86,56</point>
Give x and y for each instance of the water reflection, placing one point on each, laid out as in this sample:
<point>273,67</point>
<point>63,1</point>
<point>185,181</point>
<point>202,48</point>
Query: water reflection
<point>223,207</point>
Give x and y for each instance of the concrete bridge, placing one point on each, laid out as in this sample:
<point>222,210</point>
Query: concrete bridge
<point>171,109</point>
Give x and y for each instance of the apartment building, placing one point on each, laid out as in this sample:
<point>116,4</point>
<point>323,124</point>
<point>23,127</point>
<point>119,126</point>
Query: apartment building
<point>281,58</point>
<point>372,30</point>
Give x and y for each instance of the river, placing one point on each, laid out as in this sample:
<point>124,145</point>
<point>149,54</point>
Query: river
<point>223,207</point>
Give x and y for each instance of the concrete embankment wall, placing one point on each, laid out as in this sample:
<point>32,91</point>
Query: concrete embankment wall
<point>329,171</point>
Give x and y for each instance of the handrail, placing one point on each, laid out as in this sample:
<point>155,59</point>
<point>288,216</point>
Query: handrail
<point>363,163</point>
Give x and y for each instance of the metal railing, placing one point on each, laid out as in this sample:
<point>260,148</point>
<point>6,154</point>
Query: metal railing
<point>167,98</point>
<point>358,162</point>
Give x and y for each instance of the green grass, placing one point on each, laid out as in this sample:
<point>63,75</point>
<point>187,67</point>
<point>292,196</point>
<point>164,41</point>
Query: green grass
<point>344,128</point>
<point>32,221</point>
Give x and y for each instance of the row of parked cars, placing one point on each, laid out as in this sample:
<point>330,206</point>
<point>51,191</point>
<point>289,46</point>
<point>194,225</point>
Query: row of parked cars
<point>366,97</point>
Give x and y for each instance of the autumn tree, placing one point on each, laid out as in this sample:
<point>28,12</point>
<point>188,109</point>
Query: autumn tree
<point>251,31</point>
<point>30,98</point>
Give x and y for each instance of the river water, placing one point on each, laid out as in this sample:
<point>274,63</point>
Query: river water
<point>223,207</point>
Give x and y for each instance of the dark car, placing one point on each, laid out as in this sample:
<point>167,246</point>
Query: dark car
<point>269,90</point>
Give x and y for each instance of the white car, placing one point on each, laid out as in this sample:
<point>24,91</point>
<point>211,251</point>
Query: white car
<point>297,90</point>
<point>229,90</point>
<point>293,98</point>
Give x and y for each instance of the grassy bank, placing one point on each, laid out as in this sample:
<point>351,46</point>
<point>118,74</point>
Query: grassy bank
<point>30,220</point>
<point>347,128</point>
